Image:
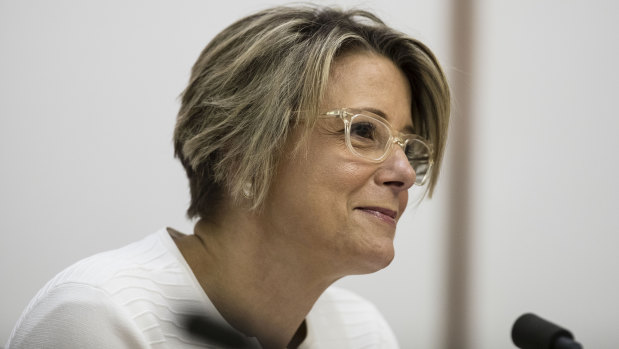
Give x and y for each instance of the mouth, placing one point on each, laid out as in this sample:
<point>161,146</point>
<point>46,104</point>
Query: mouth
<point>381,213</point>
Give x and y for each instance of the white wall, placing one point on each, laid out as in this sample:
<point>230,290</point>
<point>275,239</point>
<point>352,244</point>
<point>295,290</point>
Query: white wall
<point>87,105</point>
<point>546,190</point>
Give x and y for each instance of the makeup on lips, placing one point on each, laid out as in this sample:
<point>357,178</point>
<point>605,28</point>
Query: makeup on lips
<point>384,214</point>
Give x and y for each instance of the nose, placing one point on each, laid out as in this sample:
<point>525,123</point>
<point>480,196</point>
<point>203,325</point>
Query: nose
<point>396,172</point>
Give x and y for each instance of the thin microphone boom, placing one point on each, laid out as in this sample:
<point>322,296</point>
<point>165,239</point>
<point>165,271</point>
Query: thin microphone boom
<point>211,331</point>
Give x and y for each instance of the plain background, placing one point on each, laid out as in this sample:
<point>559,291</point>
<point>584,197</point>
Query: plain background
<point>88,99</point>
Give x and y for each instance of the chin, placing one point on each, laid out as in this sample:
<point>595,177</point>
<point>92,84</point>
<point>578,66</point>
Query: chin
<point>379,257</point>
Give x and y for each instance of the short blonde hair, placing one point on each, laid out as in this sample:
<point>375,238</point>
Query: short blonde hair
<point>267,72</point>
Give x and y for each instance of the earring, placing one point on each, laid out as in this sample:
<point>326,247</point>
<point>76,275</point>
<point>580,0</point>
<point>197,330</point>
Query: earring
<point>247,190</point>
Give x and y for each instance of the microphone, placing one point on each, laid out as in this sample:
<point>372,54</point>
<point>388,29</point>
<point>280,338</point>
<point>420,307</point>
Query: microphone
<point>532,332</point>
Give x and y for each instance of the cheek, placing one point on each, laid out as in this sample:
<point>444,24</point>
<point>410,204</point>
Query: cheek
<point>338,177</point>
<point>326,166</point>
<point>327,177</point>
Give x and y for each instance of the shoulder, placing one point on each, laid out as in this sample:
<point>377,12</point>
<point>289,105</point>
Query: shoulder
<point>99,269</point>
<point>129,297</point>
<point>344,319</point>
<point>74,315</point>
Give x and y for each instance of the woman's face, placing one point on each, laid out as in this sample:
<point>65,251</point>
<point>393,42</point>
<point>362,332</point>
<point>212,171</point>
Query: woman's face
<point>339,209</point>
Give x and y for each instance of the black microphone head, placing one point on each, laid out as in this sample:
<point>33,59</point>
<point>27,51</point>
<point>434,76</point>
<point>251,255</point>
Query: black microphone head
<point>532,332</point>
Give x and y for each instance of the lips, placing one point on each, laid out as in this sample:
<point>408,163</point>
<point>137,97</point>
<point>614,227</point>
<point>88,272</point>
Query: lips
<point>381,213</point>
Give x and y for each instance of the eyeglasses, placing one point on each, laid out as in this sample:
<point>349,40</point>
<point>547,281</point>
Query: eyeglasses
<point>371,137</point>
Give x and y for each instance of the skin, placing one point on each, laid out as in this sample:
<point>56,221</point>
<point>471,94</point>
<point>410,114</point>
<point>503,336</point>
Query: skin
<point>324,217</point>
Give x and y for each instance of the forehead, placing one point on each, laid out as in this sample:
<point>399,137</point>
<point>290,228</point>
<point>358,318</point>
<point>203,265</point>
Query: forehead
<point>369,81</point>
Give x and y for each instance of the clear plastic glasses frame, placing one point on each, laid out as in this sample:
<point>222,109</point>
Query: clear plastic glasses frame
<point>373,138</point>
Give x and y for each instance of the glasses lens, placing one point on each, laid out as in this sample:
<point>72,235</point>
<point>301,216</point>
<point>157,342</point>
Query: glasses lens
<point>369,137</point>
<point>419,156</point>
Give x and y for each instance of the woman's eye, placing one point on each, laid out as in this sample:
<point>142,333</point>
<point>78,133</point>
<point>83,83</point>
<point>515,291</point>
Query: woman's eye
<point>364,130</point>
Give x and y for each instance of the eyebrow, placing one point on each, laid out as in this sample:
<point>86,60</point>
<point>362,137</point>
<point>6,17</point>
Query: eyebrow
<point>407,129</point>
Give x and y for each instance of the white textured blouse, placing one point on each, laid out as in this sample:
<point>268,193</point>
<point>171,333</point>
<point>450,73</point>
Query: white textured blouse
<point>138,295</point>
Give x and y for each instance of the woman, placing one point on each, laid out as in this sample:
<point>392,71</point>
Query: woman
<point>301,131</point>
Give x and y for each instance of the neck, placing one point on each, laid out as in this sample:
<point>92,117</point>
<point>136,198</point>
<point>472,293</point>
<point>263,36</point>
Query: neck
<point>262,284</point>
